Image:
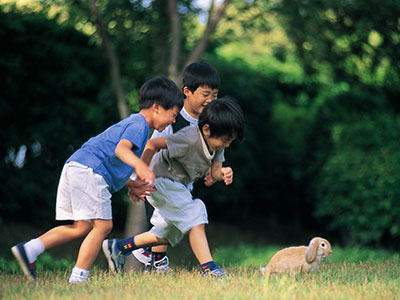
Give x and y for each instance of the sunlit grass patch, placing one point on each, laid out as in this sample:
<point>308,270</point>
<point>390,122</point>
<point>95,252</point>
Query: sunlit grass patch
<point>338,280</point>
<point>360,274</point>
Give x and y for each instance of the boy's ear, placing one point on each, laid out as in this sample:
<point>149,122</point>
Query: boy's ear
<point>206,130</point>
<point>156,107</point>
<point>186,91</point>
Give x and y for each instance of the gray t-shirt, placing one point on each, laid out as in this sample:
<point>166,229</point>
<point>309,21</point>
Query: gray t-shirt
<point>186,158</point>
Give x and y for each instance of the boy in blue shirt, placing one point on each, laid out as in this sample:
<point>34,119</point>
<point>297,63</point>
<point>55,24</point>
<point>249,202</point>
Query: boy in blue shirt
<point>186,156</point>
<point>100,167</point>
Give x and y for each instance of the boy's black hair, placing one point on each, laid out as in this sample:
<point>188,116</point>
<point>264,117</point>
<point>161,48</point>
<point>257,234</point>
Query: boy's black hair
<point>160,90</point>
<point>225,118</point>
<point>198,74</point>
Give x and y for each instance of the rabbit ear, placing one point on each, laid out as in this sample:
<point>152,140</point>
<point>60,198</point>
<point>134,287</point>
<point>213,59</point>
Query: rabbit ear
<point>311,250</point>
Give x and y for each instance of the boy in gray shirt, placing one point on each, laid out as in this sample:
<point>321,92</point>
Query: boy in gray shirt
<point>186,156</point>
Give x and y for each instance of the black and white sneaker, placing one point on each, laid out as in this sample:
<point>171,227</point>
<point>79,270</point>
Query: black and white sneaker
<point>20,254</point>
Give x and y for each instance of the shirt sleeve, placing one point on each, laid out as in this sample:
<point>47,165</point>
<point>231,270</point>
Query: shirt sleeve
<point>136,133</point>
<point>219,155</point>
<point>178,143</point>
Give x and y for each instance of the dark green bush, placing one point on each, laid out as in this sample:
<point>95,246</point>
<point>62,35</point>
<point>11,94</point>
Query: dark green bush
<point>51,81</point>
<point>356,186</point>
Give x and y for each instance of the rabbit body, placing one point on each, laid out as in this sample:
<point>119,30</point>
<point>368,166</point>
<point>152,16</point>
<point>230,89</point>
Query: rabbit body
<point>301,259</point>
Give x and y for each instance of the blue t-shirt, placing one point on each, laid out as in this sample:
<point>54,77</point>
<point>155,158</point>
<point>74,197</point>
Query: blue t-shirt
<point>98,152</point>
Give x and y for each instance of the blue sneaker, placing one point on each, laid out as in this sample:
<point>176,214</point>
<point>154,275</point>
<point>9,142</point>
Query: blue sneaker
<point>115,258</point>
<point>20,254</point>
<point>214,273</point>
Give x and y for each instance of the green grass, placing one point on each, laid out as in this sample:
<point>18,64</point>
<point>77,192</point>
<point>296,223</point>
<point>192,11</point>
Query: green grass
<point>352,273</point>
<point>348,274</point>
<point>370,280</point>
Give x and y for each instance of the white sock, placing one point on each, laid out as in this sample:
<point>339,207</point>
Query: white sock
<point>33,249</point>
<point>78,275</point>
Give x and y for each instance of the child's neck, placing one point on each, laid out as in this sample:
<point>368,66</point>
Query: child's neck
<point>147,113</point>
<point>190,112</point>
<point>205,140</point>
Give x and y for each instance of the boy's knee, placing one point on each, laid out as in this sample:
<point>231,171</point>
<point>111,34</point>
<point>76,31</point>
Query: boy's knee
<point>104,226</point>
<point>83,227</point>
<point>198,227</point>
<point>109,227</point>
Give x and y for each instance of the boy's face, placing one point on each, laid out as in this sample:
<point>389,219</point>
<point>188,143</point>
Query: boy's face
<point>216,143</point>
<point>200,98</point>
<point>164,117</point>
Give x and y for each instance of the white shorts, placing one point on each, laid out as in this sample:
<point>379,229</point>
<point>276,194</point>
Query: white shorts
<point>82,194</point>
<point>175,210</point>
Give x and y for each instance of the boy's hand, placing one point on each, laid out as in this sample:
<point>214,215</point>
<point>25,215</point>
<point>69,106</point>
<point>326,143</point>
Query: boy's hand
<point>227,175</point>
<point>144,173</point>
<point>139,189</point>
<point>208,179</point>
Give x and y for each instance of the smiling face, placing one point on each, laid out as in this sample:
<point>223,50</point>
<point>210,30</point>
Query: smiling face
<point>164,117</point>
<point>215,143</point>
<point>197,100</point>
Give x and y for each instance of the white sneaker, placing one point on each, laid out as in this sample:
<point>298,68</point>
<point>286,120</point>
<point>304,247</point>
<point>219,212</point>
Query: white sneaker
<point>142,255</point>
<point>162,266</point>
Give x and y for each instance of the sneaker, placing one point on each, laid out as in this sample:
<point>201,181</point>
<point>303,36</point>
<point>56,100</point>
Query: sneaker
<point>142,255</point>
<point>115,258</point>
<point>214,273</point>
<point>20,254</point>
<point>159,266</point>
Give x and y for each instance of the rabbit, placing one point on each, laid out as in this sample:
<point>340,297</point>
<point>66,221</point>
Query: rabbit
<point>301,259</point>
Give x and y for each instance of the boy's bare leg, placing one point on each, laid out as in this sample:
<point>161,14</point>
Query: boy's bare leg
<point>91,245</point>
<point>148,239</point>
<point>161,248</point>
<point>64,233</point>
<point>198,242</point>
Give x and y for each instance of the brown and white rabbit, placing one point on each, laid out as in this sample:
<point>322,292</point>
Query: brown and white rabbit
<point>301,259</point>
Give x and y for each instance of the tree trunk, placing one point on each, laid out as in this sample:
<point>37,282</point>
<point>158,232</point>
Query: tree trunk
<point>136,219</point>
<point>212,22</point>
<point>174,72</point>
<point>176,37</point>
<point>135,223</point>
<point>113,63</point>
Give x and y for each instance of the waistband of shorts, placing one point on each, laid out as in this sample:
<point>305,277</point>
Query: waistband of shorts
<point>76,164</point>
<point>189,186</point>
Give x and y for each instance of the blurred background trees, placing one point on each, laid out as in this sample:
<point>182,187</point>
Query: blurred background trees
<point>318,82</point>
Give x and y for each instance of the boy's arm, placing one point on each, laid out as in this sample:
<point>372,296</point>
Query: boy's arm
<point>125,154</point>
<point>219,173</point>
<point>152,147</point>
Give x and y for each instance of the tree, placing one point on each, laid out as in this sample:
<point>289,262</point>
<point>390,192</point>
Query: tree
<point>50,105</point>
<point>136,222</point>
<point>214,17</point>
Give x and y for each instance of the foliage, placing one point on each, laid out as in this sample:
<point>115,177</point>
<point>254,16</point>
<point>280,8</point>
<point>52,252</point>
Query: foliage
<point>357,183</point>
<point>318,82</point>
<point>51,103</point>
<point>352,41</point>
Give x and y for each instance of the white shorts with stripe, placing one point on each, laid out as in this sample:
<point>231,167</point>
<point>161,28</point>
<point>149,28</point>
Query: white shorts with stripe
<point>82,194</point>
<point>175,210</point>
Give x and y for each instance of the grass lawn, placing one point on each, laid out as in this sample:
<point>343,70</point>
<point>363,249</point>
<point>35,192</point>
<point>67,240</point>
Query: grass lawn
<point>370,280</point>
<point>354,273</point>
